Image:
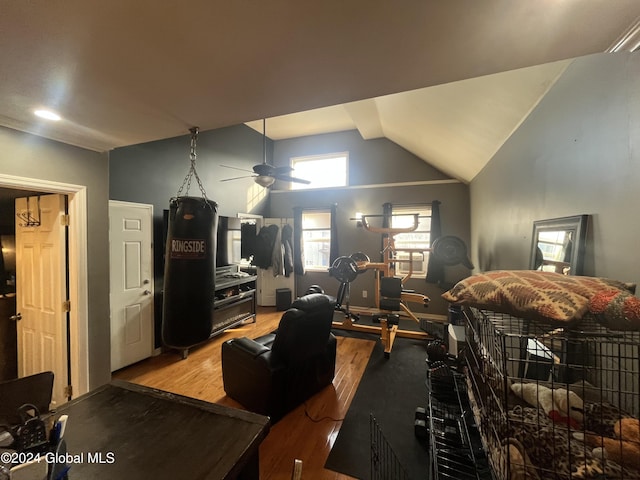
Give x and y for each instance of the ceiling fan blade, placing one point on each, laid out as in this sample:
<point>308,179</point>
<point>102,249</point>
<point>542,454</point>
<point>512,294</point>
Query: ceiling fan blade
<point>264,169</point>
<point>236,168</point>
<point>236,178</point>
<point>287,178</point>
<point>283,170</point>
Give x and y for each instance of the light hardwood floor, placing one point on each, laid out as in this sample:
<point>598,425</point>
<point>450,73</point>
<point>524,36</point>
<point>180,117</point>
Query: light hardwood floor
<point>307,433</point>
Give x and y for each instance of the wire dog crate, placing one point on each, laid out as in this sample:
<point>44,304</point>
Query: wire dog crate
<point>384,462</point>
<point>456,452</point>
<point>548,401</point>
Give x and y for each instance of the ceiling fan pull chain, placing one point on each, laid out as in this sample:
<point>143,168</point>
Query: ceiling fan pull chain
<point>192,169</point>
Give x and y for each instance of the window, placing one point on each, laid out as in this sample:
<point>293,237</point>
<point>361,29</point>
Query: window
<point>403,217</point>
<point>316,239</point>
<point>553,246</point>
<point>322,170</point>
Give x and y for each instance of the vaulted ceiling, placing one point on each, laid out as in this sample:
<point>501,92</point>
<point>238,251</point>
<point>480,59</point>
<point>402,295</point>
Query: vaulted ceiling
<point>455,127</point>
<point>448,81</point>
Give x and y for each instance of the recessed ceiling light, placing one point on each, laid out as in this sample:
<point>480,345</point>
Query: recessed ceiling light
<point>48,114</point>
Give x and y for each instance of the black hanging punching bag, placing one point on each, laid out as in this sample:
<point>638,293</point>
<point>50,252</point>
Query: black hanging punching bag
<point>189,274</point>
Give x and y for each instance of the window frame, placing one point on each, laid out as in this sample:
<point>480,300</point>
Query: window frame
<point>327,240</point>
<point>293,161</point>
<point>402,268</point>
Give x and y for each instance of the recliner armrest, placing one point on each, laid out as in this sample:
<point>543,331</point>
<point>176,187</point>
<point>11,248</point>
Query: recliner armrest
<point>249,346</point>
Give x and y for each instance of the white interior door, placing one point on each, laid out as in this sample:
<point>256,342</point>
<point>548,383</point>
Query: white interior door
<point>131,280</point>
<point>41,290</point>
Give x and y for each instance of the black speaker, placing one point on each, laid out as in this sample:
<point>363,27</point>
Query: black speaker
<point>283,298</point>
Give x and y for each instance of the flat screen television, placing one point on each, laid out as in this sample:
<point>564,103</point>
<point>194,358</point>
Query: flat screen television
<point>229,240</point>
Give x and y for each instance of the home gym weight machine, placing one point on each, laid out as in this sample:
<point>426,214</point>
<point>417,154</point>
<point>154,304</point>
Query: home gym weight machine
<point>390,294</point>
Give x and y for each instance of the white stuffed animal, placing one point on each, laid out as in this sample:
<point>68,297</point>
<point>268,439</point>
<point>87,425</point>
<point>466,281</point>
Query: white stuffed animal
<point>535,395</point>
<point>569,404</point>
<point>556,403</point>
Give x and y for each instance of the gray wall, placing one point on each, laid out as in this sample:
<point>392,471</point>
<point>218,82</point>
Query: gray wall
<point>370,161</point>
<point>153,172</point>
<point>373,162</point>
<point>578,152</point>
<point>34,157</point>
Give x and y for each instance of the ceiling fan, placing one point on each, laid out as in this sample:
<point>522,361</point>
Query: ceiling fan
<point>264,174</point>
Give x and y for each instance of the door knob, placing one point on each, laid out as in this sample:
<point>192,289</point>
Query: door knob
<point>16,317</point>
<point>146,292</point>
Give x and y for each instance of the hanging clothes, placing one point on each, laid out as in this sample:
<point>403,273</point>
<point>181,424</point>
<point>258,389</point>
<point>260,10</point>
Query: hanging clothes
<point>287,244</point>
<point>265,242</point>
<point>277,254</point>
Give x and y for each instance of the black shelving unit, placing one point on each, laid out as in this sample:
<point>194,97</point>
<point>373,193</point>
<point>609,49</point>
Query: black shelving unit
<point>235,299</point>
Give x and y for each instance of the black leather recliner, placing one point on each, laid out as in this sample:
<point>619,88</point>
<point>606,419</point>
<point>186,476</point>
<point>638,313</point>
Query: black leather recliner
<point>275,373</point>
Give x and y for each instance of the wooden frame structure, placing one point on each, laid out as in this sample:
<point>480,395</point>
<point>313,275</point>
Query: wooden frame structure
<point>386,268</point>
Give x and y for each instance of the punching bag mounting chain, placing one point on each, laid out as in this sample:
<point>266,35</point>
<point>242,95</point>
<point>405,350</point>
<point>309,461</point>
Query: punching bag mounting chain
<point>192,168</point>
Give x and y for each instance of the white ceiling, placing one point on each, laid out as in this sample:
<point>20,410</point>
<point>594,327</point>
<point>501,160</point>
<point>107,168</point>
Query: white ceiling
<point>455,127</point>
<point>122,72</point>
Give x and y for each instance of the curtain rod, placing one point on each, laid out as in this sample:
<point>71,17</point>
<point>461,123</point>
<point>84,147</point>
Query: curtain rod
<point>333,205</point>
<point>417,204</point>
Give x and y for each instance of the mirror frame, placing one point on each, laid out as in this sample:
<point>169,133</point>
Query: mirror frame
<point>577,224</point>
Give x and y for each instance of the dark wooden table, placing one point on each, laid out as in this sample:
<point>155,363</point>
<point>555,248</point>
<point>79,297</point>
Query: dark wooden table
<point>130,432</point>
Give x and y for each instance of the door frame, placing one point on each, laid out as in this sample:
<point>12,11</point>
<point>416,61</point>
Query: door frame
<point>78,272</point>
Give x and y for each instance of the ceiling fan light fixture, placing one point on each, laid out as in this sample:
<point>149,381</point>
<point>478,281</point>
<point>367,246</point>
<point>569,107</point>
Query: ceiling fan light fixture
<point>264,181</point>
<point>265,174</point>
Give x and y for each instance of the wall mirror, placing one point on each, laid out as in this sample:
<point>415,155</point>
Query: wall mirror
<point>558,244</point>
